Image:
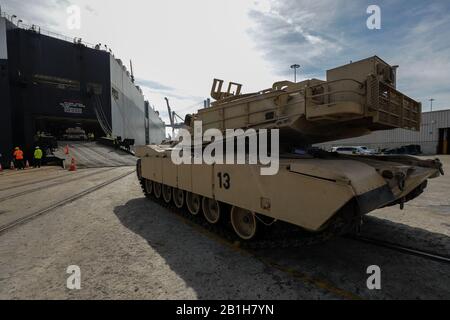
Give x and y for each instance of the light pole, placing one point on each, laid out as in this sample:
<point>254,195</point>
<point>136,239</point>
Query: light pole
<point>295,67</point>
<point>431,103</point>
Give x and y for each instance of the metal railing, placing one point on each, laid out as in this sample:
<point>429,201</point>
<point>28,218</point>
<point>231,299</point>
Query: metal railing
<point>37,29</point>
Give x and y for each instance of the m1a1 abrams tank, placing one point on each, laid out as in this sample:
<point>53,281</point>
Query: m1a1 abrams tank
<point>315,191</point>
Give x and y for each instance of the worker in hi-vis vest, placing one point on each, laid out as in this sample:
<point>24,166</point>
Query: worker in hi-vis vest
<point>38,154</point>
<point>18,159</point>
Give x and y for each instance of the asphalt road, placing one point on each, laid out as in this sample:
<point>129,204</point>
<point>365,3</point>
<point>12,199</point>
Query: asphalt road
<point>128,247</point>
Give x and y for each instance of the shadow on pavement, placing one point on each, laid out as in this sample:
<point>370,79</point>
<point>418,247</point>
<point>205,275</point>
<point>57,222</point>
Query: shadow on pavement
<point>216,271</point>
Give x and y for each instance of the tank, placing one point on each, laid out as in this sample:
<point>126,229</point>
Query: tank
<point>76,134</point>
<point>314,192</point>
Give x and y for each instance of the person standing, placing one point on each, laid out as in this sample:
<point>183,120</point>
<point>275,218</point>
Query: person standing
<point>18,157</point>
<point>38,154</point>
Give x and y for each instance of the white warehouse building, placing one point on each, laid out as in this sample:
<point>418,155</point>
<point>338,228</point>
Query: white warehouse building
<point>433,138</point>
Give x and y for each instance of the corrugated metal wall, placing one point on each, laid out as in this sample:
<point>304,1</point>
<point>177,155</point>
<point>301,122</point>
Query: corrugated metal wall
<point>427,138</point>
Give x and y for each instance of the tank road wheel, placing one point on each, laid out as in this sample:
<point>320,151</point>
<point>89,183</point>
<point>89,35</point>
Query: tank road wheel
<point>211,210</point>
<point>148,185</point>
<point>178,198</point>
<point>157,190</point>
<point>167,194</point>
<point>194,203</point>
<point>244,223</point>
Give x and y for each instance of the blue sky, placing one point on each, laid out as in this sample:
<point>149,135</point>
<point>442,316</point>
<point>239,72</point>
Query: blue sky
<point>178,47</point>
<point>414,35</point>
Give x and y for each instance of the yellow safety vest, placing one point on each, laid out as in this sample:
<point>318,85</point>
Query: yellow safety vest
<point>38,154</point>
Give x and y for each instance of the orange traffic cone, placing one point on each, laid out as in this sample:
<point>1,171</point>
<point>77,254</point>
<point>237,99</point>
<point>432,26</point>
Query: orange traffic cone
<point>73,165</point>
<point>12,165</point>
<point>66,149</point>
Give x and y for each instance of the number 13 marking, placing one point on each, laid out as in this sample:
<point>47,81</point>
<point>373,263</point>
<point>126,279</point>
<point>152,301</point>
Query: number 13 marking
<point>224,180</point>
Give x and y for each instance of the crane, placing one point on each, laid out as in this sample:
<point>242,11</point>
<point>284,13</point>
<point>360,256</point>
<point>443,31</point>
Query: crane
<point>173,119</point>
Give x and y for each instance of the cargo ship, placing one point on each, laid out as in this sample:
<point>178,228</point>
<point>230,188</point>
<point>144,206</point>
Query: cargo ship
<point>50,84</point>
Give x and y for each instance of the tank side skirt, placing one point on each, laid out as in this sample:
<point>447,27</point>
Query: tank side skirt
<point>276,197</point>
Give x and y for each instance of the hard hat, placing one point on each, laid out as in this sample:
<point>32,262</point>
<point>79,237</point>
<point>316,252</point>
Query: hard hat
<point>17,148</point>
<point>37,148</point>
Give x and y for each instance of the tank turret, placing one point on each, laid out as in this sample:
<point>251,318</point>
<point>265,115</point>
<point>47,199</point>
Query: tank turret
<point>356,99</point>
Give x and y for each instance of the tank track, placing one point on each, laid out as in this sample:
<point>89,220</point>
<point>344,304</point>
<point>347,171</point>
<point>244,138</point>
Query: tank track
<point>280,235</point>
